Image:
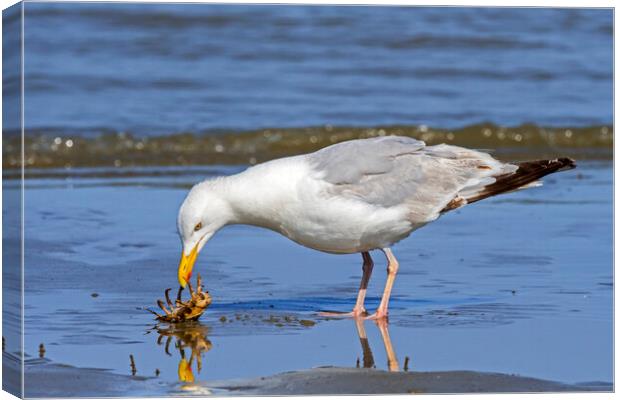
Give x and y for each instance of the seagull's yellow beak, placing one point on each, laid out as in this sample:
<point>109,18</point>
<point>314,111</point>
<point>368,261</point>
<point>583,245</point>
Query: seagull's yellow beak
<point>186,265</point>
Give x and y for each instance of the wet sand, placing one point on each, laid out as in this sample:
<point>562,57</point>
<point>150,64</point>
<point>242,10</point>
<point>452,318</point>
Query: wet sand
<point>517,286</point>
<point>55,380</point>
<point>329,380</point>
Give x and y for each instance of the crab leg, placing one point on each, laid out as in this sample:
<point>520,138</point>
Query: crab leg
<point>198,283</point>
<point>163,307</point>
<point>191,289</point>
<point>153,312</point>
<point>167,292</point>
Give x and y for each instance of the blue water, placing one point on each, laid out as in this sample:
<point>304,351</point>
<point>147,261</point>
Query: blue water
<point>156,68</point>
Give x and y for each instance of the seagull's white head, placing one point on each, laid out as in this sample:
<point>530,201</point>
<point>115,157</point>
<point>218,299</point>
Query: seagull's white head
<point>202,213</point>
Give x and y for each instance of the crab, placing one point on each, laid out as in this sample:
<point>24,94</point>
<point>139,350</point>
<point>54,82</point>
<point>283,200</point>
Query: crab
<point>181,311</point>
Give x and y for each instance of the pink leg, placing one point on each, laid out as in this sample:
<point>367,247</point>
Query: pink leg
<point>359,309</point>
<point>392,268</point>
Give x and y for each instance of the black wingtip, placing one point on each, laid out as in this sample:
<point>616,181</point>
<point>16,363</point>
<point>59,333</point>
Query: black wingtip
<point>529,171</point>
<point>567,163</point>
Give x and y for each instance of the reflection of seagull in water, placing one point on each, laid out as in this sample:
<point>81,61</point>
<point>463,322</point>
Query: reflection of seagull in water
<point>352,197</point>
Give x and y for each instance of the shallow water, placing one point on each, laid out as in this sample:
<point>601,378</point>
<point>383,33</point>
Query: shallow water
<point>520,284</point>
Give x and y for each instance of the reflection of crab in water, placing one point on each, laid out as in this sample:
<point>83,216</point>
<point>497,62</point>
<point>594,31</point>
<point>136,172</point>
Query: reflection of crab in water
<point>190,336</point>
<point>181,311</point>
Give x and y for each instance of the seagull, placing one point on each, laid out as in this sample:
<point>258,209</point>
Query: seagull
<point>352,197</point>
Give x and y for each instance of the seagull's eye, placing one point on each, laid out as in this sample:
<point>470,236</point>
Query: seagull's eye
<point>198,227</point>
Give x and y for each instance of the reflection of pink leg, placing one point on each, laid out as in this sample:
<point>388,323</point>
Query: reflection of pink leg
<point>387,342</point>
<point>392,268</point>
<point>367,358</point>
<point>359,309</point>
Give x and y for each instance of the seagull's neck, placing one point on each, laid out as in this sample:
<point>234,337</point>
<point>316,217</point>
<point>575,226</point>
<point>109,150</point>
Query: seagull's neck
<point>258,195</point>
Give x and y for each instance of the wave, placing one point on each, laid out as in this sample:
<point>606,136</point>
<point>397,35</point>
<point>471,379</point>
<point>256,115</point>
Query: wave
<point>52,149</point>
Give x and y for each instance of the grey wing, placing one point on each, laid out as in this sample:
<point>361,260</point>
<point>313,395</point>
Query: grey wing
<point>349,162</point>
<point>424,179</point>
